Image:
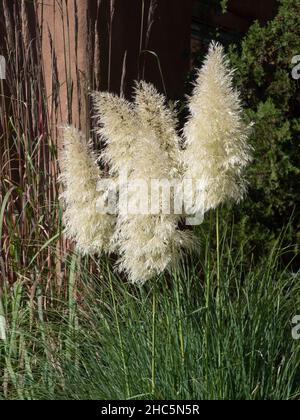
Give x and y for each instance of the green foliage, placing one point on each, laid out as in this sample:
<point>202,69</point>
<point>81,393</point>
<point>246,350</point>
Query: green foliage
<point>272,101</point>
<point>166,340</point>
<point>224,5</point>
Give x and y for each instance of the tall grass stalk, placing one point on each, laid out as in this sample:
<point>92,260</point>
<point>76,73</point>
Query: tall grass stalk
<point>153,349</point>
<point>179,315</point>
<point>121,345</point>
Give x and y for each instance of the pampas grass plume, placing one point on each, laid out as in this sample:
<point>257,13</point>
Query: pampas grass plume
<point>150,244</point>
<point>217,149</point>
<point>91,230</point>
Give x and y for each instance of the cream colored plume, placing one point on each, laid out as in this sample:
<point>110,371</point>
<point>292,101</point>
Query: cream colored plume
<point>117,126</point>
<point>216,137</point>
<point>149,243</point>
<point>161,139</point>
<point>91,230</point>
<point>141,138</point>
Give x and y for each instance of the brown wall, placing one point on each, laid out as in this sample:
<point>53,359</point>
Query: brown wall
<point>169,38</point>
<point>84,30</point>
<point>64,47</point>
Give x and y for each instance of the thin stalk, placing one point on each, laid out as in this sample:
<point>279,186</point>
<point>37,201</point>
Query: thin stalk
<point>109,57</point>
<point>218,301</point>
<point>159,68</point>
<point>208,290</point>
<point>218,262</point>
<point>153,364</point>
<point>180,327</point>
<point>207,268</point>
<point>71,307</point>
<point>111,21</point>
<point>119,332</point>
<point>141,38</point>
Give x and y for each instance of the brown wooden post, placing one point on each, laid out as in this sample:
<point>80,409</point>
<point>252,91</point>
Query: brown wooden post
<point>64,47</point>
<point>83,39</point>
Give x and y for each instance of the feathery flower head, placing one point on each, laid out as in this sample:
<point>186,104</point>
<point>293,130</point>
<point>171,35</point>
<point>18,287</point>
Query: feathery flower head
<point>90,230</point>
<point>157,117</point>
<point>217,151</point>
<point>149,243</point>
<point>116,125</point>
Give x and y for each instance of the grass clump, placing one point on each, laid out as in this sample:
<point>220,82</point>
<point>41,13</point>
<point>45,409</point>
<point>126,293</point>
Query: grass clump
<point>165,340</point>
